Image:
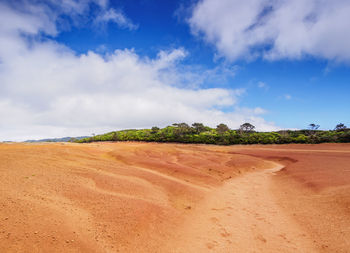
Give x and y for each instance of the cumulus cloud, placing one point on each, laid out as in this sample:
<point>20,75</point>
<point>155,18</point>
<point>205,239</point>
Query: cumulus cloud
<point>47,90</point>
<point>275,29</point>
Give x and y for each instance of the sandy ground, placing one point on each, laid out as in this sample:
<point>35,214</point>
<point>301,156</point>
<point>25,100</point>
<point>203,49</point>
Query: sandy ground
<point>147,197</point>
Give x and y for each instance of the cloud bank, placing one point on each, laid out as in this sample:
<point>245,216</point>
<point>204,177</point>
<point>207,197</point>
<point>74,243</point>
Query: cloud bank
<point>47,90</point>
<point>275,29</point>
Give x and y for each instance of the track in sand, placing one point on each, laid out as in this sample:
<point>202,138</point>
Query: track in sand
<point>242,216</point>
<point>147,197</point>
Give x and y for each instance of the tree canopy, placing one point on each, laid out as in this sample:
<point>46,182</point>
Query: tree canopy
<point>247,127</point>
<point>223,135</point>
<point>340,127</point>
<point>222,128</point>
<point>313,126</point>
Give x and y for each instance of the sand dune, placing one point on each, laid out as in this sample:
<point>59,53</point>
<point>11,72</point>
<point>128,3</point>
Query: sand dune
<point>147,197</point>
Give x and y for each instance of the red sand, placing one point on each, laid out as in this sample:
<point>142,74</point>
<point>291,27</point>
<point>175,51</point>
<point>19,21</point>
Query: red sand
<point>147,197</point>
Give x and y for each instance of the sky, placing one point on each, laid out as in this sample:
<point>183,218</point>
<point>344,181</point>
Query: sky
<point>78,67</point>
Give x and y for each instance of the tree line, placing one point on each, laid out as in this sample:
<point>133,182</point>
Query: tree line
<point>223,135</point>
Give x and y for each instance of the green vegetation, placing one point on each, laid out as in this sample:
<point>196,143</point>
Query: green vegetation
<point>222,135</point>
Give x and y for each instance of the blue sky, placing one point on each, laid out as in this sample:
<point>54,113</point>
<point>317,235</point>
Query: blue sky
<point>74,67</point>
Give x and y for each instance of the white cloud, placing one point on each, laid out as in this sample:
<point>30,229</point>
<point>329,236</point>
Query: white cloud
<point>275,29</point>
<point>47,90</point>
<point>45,15</point>
<point>115,16</point>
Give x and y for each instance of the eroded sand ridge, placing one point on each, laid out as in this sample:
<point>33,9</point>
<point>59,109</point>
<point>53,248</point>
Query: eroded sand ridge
<point>148,197</point>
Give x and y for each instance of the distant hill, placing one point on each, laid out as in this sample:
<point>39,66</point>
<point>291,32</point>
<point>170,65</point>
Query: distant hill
<point>63,139</point>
